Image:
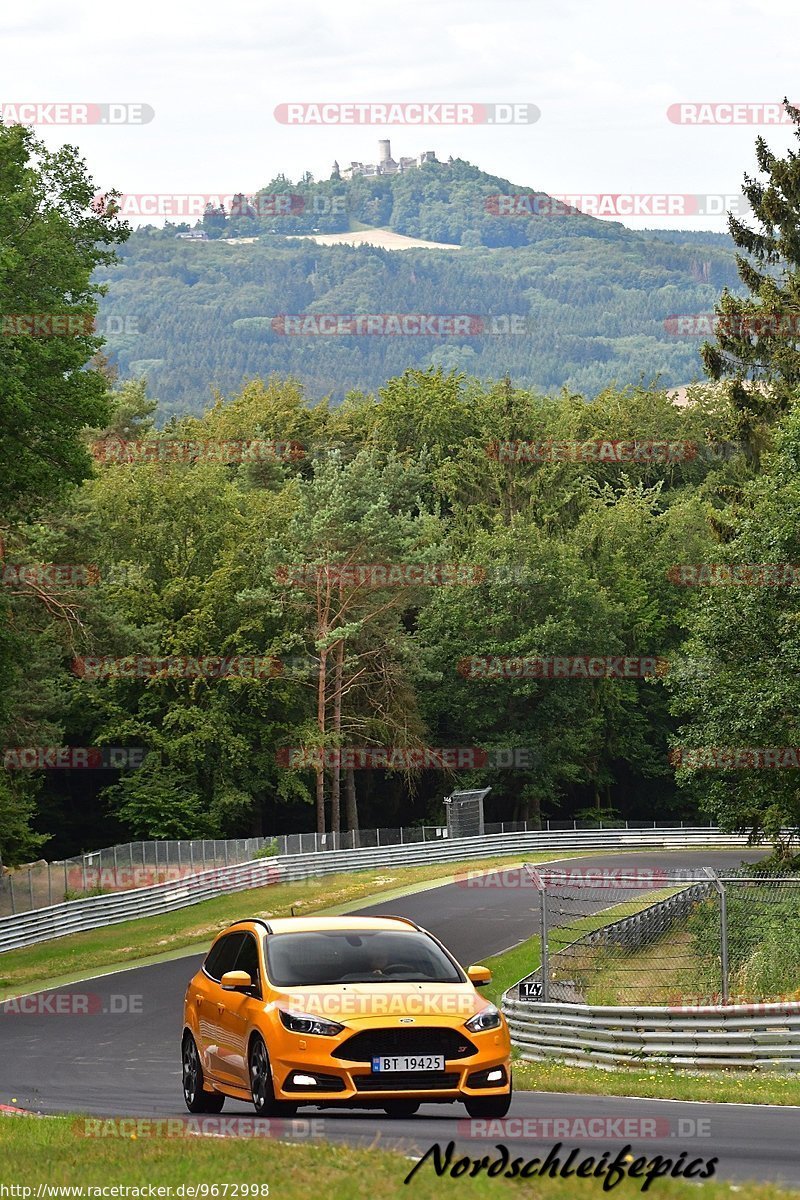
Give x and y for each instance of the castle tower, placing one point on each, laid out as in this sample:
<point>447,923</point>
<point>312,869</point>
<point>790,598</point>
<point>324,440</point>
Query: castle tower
<point>385,147</point>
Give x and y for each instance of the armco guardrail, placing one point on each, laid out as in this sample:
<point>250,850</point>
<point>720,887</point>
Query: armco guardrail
<point>93,912</point>
<point>760,1036</point>
<point>144,864</point>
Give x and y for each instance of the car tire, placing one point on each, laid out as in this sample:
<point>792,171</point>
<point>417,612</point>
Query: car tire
<point>488,1107</point>
<point>401,1108</point>
<point>197,1099</point>
<point>261,1090</point>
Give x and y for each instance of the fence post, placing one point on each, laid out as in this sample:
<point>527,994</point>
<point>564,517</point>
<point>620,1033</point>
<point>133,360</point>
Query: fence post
<point>30,886</point>
<point>401,835</point>
<point>541,887</point>
<point>116,875</point>
<point>378,836</point>
<point>723,920</point>
<point>225,843</point>
<point>11,881</point>
<point>545,948</point>
<point>723,929</point>
<point>50,885</point>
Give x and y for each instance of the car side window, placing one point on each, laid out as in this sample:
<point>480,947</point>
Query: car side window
<point>223,955</point>
<point>247,960</point>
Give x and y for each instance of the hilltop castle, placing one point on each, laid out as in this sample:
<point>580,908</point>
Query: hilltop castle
<point>386,164</point>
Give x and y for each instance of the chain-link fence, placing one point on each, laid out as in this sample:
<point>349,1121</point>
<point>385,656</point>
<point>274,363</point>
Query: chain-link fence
<point>143,864</point>
<point>677,938</point>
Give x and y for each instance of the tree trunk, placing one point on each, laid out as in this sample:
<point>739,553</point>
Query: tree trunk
<point>338,672</point>
<point>321,726</point>
<point>351,802</point>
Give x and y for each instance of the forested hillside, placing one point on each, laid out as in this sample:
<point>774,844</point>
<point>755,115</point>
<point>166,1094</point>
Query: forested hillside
<point>593,295</point>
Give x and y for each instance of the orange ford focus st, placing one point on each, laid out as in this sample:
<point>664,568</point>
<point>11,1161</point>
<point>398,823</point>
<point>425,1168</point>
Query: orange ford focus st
<point>356,1011</point>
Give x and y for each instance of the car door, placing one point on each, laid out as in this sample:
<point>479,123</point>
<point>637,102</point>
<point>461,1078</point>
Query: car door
<point>211,1002</point>
<point>236,1015</point>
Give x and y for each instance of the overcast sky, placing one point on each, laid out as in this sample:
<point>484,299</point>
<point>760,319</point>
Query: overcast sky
<point>603,76</point>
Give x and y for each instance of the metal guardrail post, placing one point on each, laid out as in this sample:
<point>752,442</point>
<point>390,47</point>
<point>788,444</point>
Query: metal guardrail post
<point>545,947</point>
<point>723,930</point>
<point>723,920</point>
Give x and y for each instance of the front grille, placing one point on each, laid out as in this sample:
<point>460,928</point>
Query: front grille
<point>430,1081</point>
<point>373,1043</point>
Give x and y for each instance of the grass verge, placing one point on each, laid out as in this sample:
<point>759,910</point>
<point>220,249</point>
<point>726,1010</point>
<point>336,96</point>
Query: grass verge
<point>52,1151</point>
<point>62,959</point>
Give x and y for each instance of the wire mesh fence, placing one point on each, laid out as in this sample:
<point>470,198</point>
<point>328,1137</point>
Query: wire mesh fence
<point>676,938</point>
<point>143,864</point>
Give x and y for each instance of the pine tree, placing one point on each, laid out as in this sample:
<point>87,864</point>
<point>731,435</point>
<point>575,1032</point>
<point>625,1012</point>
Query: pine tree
<point>758,336</point>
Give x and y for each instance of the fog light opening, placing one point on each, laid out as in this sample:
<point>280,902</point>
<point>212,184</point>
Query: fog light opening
<point>304,1080</point>
<point>495,1076</point>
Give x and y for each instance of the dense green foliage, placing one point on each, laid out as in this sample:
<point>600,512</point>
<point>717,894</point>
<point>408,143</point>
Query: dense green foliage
<point>575,557</point>
<point>595,295</point>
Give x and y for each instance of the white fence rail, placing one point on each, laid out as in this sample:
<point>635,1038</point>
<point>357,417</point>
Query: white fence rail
<point>94,912</point>
<point>754,1036</point>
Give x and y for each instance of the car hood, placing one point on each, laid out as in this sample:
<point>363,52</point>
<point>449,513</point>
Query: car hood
<point>453,1003</point>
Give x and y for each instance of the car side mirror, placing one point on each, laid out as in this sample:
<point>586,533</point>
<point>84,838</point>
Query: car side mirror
<point>480,976</point>
<point>235,981</point>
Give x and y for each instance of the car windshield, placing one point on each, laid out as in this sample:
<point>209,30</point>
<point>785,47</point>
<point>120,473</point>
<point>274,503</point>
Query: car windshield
<point>357,956</point>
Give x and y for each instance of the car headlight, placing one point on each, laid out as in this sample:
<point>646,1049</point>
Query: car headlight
<point>304,1023</point>
<point>487,1018</point>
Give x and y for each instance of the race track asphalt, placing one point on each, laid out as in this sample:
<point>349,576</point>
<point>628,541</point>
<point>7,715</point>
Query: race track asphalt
<point>121,1057</point>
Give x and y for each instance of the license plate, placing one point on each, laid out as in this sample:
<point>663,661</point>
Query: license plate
<point>408,1062</point>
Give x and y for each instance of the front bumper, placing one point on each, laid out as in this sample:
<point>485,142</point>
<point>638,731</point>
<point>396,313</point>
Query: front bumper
<point>335,1081</point>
